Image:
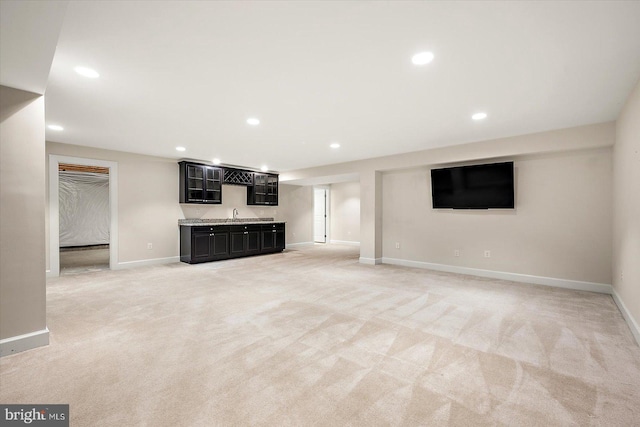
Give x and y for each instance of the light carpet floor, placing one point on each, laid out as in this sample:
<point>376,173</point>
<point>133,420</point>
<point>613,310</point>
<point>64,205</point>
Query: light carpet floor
<point>84,260</point>
<point>311,337</point>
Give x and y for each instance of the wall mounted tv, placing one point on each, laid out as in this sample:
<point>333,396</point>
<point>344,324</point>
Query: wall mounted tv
<point>487,186</point>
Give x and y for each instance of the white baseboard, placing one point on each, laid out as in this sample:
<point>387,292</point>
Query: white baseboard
<point>298,245</point>
<point>146,262</point>
<point>344,242</point>
<point>602,288</point>
<point>24,342</point>
<point>633,325</point>
<point>371,261</point>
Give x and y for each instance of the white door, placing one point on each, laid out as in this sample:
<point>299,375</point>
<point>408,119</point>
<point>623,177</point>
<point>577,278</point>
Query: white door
<point>320,215</point>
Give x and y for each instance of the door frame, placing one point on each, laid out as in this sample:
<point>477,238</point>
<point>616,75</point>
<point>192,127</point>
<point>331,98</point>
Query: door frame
<point>54,205</point>
<point>327,210</point>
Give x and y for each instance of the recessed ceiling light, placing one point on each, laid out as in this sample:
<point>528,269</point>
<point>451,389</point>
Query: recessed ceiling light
<point>422,58</point>
<point>335,145</point>
<point>479,116</point>
<point>87,72</point>
<point>253,121</point>
<point>216,161</point>
<point>264,168</point>
<point>55,127</point>
<point>180,149</point>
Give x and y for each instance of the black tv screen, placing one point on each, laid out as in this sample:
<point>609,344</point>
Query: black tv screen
<point>473,187</point>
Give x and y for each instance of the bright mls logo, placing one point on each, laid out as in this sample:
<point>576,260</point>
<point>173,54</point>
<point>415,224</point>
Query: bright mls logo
<point>37,415</point>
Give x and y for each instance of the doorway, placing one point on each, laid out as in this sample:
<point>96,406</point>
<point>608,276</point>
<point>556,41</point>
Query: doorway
<point>82,193</point>
<point>320,215</point>
<point>83,211</point>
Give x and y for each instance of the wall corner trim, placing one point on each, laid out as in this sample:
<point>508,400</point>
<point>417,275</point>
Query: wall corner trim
<point>24,342</point>
<point>631,322</point>
<point>602,288</point>
<point>146,262</point>
<point>298,245</point>
<point>371,261</point>
<point>344,242</point>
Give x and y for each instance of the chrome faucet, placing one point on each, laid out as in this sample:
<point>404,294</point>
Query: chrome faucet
<point>235,213</point>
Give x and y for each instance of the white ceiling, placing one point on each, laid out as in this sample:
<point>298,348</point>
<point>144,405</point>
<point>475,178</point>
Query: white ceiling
<point>191,73</point>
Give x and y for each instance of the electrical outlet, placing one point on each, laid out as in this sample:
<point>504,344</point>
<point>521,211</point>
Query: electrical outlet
<point>487,254</point>
<point>149,245</point>
<point>397,245</point>
<point>456,252</point>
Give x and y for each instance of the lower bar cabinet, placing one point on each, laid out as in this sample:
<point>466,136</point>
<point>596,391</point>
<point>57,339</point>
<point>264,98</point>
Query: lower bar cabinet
<point>215,242</point>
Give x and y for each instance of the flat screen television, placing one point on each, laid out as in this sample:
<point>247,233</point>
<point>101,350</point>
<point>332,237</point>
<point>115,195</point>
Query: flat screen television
<point>487,186</point>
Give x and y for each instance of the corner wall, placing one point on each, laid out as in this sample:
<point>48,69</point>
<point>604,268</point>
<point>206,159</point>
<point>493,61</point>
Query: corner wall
<point>22,213</point>
<point>296,208</point>
<point>345,212</point>
<point>626,212</point>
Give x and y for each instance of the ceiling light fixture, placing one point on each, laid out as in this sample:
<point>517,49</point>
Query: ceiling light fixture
<point>216,161</point>
<point>180,149</point>
<point>264,168</point>
<point>87,72</point>
<point>479,116</point>
<point>335,145</point>
<point>422,58</point>
<point>55,127</point>
<point>253,121</point>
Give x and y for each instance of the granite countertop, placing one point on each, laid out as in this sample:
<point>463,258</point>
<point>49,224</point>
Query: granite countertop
<point>227,221</point>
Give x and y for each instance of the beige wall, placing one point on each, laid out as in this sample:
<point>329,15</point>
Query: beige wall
<point>22,202</point>
<point>557,141</point>
<point>571,140</point>
<point>296,208</point>
<point>345,212</point>
<point>148,208</point>
<point>626,221</point>
<point>560,227</point>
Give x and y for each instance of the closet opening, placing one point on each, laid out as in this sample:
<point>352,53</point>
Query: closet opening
<point>84,218</point>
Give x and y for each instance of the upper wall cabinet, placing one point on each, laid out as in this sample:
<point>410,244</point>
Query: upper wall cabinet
<point>200,183</point>
<point>264,190</point>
